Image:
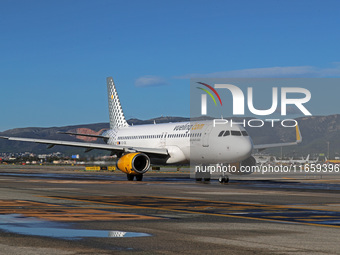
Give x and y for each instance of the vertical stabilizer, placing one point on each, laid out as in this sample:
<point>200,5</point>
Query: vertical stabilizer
<point>117,119</point>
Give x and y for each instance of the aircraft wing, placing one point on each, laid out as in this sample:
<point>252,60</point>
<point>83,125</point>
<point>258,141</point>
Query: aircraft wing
<point>80,134</point>
<point>273,145</point>
<point>90,146</point>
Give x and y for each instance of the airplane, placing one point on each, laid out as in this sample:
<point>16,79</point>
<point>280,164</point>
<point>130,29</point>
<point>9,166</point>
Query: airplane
<point>282,161</point>
<point>139,146</point>
<point>313,161</point>
<point>292,161</point>
<point>262,159</point>
<point>301,161</point>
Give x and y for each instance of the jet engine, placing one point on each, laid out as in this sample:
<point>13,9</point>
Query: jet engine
<point>134,163</point>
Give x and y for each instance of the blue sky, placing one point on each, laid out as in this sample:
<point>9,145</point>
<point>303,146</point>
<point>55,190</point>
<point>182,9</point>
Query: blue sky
<point>56,55</point>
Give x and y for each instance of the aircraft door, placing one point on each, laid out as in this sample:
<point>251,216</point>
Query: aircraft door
<point>163,138</point>
<point>205,136</point>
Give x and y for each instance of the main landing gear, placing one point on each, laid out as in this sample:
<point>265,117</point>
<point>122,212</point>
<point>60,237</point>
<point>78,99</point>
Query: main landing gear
<point>205,175</point>
<point>131,177</point>
<point>206,180</point>
<point>221,179</point>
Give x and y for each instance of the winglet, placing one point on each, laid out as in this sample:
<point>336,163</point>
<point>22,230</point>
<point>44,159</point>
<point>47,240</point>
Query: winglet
<point>298,134</point>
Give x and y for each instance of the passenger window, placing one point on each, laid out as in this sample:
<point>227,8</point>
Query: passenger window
<point>226,133</point>
<point>235,133</point>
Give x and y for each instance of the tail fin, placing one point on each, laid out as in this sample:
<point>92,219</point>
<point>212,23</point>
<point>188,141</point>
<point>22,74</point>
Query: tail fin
<point>117,119</point>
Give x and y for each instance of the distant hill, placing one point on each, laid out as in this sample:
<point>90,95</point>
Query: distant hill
<point>51,133</point>
<point>316,131</point>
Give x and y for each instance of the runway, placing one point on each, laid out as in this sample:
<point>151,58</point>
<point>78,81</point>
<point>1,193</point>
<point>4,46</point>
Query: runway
<point>62,210</point>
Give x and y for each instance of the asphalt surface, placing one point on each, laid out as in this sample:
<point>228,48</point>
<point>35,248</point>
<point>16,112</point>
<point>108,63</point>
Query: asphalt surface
<point>63,210</point>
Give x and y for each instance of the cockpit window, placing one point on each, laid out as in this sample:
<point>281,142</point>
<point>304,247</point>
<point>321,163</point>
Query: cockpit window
<point>244,133</point>
<point>221,133</point>
<point>235,133</point>
<point>226,133</point>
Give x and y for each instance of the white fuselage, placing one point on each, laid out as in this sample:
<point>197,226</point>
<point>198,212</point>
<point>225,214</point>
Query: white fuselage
<point>196,141</point>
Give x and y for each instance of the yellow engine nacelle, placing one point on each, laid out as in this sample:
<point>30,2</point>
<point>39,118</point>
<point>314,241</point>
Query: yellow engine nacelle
<point>134,163</point>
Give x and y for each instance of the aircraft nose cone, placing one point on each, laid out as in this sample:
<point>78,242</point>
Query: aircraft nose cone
<point>245,148</point>
<point>248,147</point>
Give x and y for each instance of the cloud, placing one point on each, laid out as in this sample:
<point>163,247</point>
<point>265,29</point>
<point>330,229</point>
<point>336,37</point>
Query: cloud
<point>150,80</point>
<point>274,72</point>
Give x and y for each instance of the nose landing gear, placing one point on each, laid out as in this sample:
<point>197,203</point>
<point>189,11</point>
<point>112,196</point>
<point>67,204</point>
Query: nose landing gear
<point>223,179</point>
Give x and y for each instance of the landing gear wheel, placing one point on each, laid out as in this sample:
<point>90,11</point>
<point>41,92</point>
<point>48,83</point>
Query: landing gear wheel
<point>139,177</point>
<point>130,177</point>
<point>204,176</point>
<point>223,180</point>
